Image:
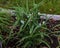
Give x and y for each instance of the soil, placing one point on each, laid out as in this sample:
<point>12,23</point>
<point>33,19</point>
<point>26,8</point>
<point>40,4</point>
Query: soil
<point>50,23</point>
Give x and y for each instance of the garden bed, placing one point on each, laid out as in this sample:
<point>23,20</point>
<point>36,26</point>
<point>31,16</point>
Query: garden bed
<point>51,21</point>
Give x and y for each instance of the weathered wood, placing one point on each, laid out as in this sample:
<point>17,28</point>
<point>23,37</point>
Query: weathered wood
<point>8,11</point>
<point>50,16</point>
<point>44,16</point>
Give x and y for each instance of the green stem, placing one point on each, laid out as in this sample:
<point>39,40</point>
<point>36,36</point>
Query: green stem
<point>27,6</point>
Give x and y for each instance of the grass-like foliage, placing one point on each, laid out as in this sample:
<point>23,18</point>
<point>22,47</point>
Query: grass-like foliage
<point>30,32</point>
<point>23,30</point>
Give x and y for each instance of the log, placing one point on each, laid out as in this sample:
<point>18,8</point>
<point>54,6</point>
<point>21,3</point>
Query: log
<point>42,15</point>
<point>49,16</point>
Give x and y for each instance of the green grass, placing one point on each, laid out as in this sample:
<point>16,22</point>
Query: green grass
<point>29,33</point>
<point>48,6</point>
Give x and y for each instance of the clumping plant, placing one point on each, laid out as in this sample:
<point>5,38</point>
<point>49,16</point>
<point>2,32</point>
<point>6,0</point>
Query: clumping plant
<point>24,29</point>
<point>30,32</point>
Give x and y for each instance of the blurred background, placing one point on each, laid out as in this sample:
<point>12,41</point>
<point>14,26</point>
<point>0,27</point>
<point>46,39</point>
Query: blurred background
<point>47,6</point>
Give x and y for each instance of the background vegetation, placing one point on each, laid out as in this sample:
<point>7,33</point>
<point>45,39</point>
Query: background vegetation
<point>47,6</point>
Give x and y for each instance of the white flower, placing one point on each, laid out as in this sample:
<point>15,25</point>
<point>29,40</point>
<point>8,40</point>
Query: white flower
<point>39,13</point>
<point>29,15</point>
<point>22,21</point>
<point>16,17</point>
<point>43,22</point>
